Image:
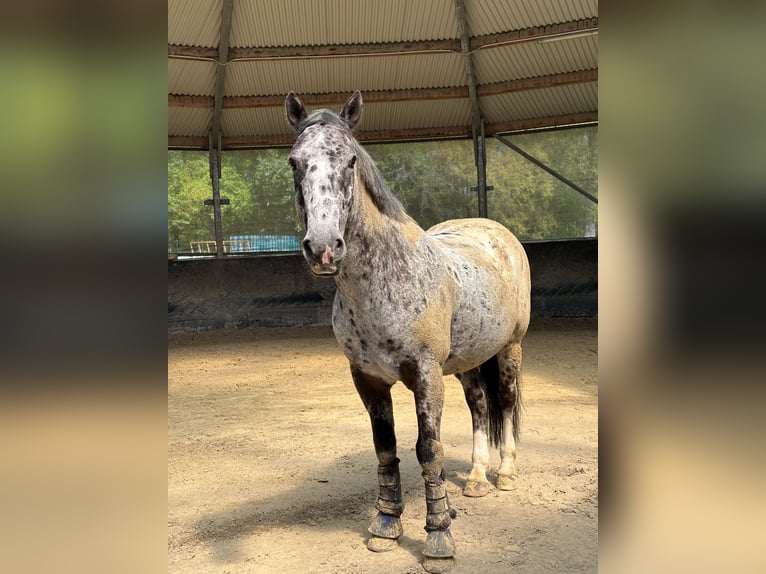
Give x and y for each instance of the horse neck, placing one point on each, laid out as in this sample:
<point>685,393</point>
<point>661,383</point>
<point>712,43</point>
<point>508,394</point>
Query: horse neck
<point>382,251</point>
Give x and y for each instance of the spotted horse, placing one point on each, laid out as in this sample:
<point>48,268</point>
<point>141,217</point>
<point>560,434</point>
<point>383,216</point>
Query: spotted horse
<point>412,306</point>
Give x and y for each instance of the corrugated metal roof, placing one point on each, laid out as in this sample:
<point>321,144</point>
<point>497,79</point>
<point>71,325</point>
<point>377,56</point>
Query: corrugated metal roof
<point>533,59</point>
<point>377,117</point>
<point>416,115</point>
<point>194,22</point>
<point>407,52</point>
<point>189,121</point>
<point>490,16</point>
<point>319,22</point>
<point>191,77</point>
<point>344,74</point>
<point>560,100</point>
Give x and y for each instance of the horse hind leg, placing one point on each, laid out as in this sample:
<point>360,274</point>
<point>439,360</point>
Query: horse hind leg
<point>476,396</point>
<point>509,364</point>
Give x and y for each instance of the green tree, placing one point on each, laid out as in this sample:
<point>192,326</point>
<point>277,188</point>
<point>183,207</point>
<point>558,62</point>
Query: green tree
<point>531,202</point>
<point>432,179</point>
<point>270,185</point>
<point>189,185</point>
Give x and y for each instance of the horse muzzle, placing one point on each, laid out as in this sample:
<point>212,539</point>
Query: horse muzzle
<point>324,258</point>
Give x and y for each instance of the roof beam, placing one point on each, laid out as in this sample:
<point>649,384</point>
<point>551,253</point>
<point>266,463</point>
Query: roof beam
<point>283,140</point>
<point>223,55</point>
<point>539,82</point>
<point>387,96</point>
<point>453,45</point>
<point>534,33</point>
<point>470,72</point>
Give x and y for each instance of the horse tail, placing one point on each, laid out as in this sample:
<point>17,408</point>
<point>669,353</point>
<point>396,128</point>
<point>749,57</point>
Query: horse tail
<point>490,378</point>
<point>516,413</point>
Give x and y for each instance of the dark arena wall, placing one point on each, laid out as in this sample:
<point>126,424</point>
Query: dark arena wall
<point>279,291</point>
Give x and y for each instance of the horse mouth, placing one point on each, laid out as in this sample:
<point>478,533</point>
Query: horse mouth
<point>324,269</point>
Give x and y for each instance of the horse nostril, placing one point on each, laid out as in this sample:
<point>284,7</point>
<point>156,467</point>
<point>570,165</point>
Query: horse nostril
<point>307,246</point>
<point>339,243</point>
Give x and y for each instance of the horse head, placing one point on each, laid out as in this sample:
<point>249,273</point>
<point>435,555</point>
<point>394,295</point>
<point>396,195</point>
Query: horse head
<point>323,159</point>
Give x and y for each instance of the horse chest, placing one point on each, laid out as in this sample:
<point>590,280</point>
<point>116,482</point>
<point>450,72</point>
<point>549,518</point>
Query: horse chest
<point>375,343</point>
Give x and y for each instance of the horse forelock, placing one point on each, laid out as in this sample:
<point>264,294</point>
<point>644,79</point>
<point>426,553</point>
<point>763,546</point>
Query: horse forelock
<point>339,133</point>
<point>321,117</point>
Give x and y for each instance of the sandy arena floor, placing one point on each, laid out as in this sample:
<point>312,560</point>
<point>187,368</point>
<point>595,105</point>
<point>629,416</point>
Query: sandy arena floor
<point>271,466</point>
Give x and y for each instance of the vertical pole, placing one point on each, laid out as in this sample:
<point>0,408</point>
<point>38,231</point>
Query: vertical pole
<point>481,171</point>
<point>227,9</point>
<point>215,177</point>
<point>477,123</point>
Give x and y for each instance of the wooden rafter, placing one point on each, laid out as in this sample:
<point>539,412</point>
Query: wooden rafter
<point>387,96</point>
<point>264,141</point>
<point>223,55</point>
<point>530,34</point>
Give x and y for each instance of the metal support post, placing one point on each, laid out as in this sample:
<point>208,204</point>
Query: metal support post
<point>481,171</point>
<point>215,178</point>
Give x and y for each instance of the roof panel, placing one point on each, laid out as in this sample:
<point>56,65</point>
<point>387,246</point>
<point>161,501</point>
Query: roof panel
<point>531,59</point>
<point>416,115</point>
<point>189,121</point>
<point>377,117</point>
<point>268,77</point>
<point>195,25</point>
<point>491,16</point>
<point>259,121</point>
<point>194,22</point>
<point>301,23</point>
<point>560,100</point>
<point>191,77</point>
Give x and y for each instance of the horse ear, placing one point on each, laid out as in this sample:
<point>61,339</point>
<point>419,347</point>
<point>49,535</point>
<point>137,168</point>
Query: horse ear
<point>295,111</point>
<point>352,110</point>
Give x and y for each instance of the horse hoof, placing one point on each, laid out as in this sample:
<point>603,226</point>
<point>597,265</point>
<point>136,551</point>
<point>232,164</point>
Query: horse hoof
<point>439,544</point>
<point>378,544</point>
<point>475,489</point>
<point>506,482</point>
<point>386,526</point>
<point>438,565</point>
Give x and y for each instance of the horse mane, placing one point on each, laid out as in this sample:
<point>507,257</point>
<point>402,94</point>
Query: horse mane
<point>382,197</point>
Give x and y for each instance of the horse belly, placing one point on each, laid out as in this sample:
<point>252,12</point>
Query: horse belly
<point>492,292</point>
<point>475,338</point>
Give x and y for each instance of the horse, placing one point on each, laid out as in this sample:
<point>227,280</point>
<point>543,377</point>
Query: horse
<point>412,306</point>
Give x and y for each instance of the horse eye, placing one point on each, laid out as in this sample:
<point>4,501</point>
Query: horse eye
<point>292,162</point>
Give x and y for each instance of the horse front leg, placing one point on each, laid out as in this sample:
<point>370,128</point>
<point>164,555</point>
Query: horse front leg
<point>425,381</point>
<point>386,527</point>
